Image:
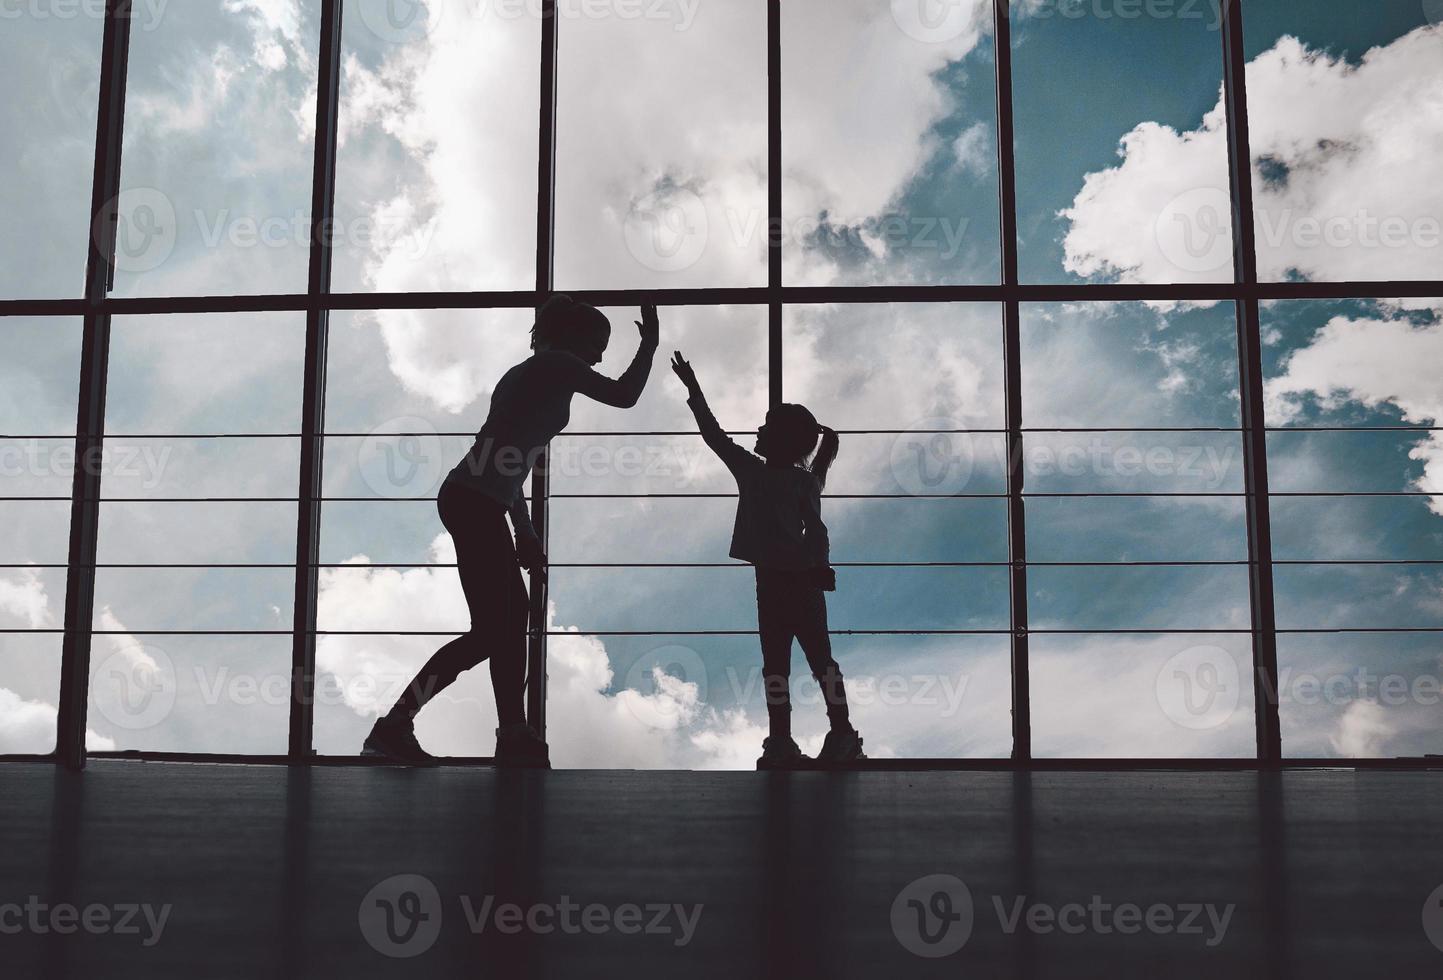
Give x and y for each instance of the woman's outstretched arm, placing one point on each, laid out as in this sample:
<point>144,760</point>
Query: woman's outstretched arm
<point>625,391</point>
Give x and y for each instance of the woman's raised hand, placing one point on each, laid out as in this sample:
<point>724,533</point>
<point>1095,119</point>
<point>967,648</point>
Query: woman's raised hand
<point>649,325</point>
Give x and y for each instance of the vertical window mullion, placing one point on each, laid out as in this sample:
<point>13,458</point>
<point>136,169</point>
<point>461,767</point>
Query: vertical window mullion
<point>775,386</point>
<point>1250,380</point>
<point>313,402</point>
<point>1012,367</point>
<point>90,412</point>
<point>545,283</point>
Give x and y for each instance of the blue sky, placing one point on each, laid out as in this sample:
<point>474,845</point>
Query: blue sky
<point>890,155</point>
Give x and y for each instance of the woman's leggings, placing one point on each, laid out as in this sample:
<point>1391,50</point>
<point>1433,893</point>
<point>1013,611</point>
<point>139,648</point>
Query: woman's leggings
<point>497,599</point>
<point>790,607</point>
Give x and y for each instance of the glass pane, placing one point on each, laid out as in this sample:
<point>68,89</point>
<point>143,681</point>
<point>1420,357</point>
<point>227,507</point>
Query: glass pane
<point>1142,696</point>
<point>39,376</point>
<point>661,145</point>
<point>219,150</point>
<point>658,600</point>
<point>921,367</point>
<point>889,137</point>
<point>1133,462</point>
<point>1120,180</point>
<point>1172,598</point>
<point>1369,695</point>
<point>419,370</point>
<point>1118,364</point>
<point>1133,529</point>
<point>1344,176</point>
<point>1358,596</point>
<point>191,693</point>
<point>50,69</point>
<point>1356,529</point>
<point>146,600</point>
<point>226,373</point>
<point>436,170</point>
<point>29,689</point>
<point>224,533</point>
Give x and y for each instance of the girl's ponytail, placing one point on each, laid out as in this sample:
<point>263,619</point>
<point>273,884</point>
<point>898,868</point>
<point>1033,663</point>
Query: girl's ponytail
<point>826,455</point>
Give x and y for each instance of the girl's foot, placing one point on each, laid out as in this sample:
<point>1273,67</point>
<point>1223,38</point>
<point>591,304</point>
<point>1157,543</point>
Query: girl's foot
<point>843,745</point>
<point>519,747</point>
<point>396,742</point>
<point>781,752</point>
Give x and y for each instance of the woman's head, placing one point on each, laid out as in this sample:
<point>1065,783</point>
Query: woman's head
<point>789,435</point>
<point>564,324</point>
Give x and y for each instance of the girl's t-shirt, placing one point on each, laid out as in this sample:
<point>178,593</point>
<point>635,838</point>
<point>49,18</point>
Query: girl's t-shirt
<point>779,508</point>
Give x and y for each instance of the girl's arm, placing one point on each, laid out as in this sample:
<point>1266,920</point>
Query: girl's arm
<point>625,391</point>
<point>717,440</point>
<point>814,532</point>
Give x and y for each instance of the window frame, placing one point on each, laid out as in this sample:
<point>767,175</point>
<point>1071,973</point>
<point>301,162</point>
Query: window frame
<point>97,307</point>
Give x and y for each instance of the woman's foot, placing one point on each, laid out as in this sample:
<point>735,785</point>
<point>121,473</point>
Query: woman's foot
<point>781,752</point>
<point>396,742</point>
<point>519,747</point>
<point>842,746</point>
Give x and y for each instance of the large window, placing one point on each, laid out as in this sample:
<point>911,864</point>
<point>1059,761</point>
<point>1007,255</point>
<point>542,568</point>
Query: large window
<point>1127,315</point>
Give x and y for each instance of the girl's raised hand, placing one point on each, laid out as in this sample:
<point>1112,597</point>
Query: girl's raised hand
<point>683,371</point>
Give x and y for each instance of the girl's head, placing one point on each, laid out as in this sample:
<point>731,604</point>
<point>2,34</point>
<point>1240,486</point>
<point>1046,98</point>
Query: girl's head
<point>789,435</point>
<point>564,324</point>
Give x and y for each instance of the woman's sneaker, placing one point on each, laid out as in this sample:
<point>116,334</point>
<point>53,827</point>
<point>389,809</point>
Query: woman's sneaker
<point>396,742</point>
<point>781,752</point>
<point>842,746</point>
<point>519,747</point>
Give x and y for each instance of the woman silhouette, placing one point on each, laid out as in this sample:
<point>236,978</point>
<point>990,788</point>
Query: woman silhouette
<point>530,405</point>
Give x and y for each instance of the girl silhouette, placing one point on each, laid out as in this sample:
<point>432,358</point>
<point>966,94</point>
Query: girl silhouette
<point>779,530</point>
<point>530,405</point>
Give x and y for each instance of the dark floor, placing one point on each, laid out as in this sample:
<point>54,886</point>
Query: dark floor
<point>271,872</point>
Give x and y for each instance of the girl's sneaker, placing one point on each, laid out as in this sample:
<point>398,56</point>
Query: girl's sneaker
<point>519,747</point>
<point>843,746</point>
<point>396,742</point>
<point>780,752</point>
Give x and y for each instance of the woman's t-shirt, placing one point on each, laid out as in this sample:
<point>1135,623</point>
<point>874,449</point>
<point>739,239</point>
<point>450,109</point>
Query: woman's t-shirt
<point>530,406</point>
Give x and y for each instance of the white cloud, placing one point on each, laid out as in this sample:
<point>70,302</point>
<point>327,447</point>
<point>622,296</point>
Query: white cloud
<point>1344,161</point>
<point>22,596</point>
<point>1377,363</point>
<point>1363,729</point>
<point>973,151</point>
